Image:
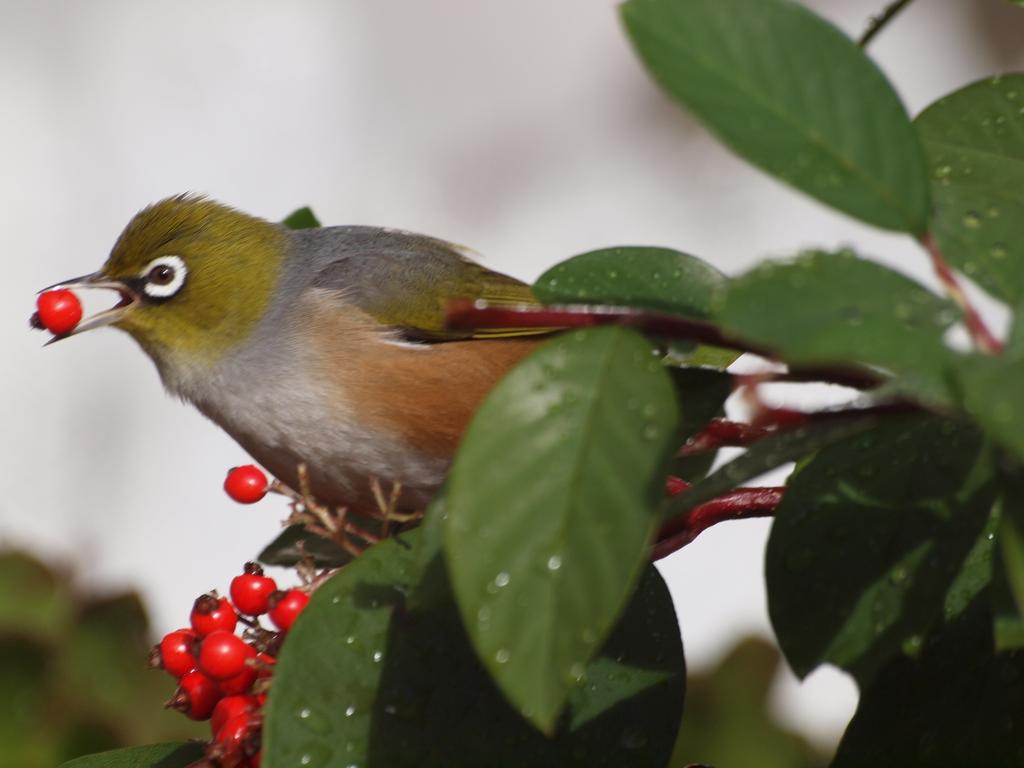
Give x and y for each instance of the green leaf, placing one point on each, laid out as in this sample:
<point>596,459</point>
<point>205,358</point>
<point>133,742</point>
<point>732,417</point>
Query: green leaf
<point>551,504</point>
<point>26,678</point>
<point>791,93</point>
<point>295,542</point>
<point>974,140</point>
<point>993,395</point>
<point>702,393</point>
<point>302,218</point>
<point>174,755</point>
<point>1008,589</point>
<point>837,308</point>
<point>869,538</point>
<point>957,704</point>
<point>33,601</point>
<point>991,391</point>
<point>734,698</point>
<point>658,279</point>
<point>363,680</point>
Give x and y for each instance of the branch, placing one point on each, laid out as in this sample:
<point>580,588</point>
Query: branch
<point>467,314</point>
<point>739,504</point>
<point>984,339</point>
<point>879,22</point>
<point>722,433</point>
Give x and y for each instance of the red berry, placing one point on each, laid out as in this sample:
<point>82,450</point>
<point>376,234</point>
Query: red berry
<point>240,683</point>
<point>223,655</point>
<point>176,652</point>
<point>251,590</point>
<point>230,706</point>
<point>211,613</point>
<point>247,484</point>
<point>196,696</point>
<point>286,606</point>
<point>59,311</point>
<point>233,736</point>
<point>675,485</point>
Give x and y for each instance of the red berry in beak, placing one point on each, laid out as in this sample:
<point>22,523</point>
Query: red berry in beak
<point>59,311</point>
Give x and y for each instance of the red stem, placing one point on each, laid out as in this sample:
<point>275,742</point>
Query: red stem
<point>983,337</point>
<point>721,433</point>
<point>739,504</point>
<point>469,314</point>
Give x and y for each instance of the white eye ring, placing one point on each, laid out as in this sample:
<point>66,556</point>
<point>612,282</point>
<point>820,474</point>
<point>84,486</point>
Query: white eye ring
<point>164,276</point>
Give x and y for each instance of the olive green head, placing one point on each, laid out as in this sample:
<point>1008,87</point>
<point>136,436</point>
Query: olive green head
<point>195,277</point>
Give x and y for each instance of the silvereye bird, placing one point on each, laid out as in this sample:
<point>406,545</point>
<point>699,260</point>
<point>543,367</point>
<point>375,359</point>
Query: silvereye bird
<point>318,346</point>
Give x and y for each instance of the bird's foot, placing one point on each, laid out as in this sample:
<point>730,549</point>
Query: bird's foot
<point>333,523</point>
<point>387,505</point>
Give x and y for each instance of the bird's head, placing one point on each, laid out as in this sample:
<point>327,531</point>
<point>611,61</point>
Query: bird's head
<point>194,278</point>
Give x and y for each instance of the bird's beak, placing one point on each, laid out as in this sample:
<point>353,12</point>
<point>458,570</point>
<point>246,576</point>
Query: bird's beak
<point>128,298</point>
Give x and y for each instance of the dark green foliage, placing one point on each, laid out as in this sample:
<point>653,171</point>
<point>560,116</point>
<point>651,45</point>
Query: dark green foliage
<point>957,704</point>
<point>364,679</point>
<point>175,755</point>
<point>870,536</point>
<point>73,670</point>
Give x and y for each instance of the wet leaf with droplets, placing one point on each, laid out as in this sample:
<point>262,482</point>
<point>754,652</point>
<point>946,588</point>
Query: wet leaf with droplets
<point>658,279</point>
<point>829,308</point>
<point>178,755</point>
<point>553,493</point>
<point>952,702</point>
<point>871,539</point>
<point>366,679</point>
<point>974,141</point>
<point>764,75</point>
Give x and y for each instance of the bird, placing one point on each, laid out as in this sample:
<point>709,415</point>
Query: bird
<point>323,347</point>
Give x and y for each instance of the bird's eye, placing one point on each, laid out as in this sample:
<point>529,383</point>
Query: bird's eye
<point>163,277</point>
<point>162,274</point>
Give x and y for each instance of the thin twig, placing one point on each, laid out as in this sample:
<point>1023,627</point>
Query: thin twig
<point>879,22</point>
<point>739,504</point>
<point>983,337</point>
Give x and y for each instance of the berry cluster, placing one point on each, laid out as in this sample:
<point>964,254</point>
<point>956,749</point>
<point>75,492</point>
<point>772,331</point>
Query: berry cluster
<point>222,676</point>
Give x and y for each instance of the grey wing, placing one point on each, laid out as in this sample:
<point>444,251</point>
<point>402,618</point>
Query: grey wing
<point>403,279</point>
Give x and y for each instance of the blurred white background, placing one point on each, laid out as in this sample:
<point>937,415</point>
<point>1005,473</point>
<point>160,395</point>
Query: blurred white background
<point>526,130</point>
